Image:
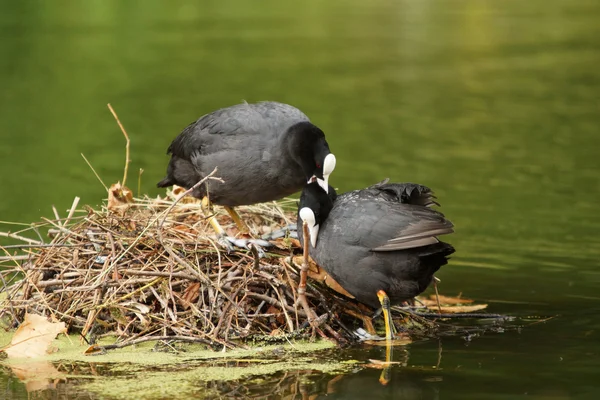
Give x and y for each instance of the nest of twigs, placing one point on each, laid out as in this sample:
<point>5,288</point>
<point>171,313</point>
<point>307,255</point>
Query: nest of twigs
<point>144,268</point>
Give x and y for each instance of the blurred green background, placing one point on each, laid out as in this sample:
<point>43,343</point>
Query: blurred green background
<point>493,104</point>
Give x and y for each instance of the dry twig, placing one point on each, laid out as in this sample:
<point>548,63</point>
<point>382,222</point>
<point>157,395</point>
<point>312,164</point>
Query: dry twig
<point>127,142</point>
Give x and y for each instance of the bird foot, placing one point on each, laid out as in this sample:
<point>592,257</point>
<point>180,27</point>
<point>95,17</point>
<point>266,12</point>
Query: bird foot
<point>245,243</point>
<point>363,335</point>
<point>224,241</point>
<point>290,231</point>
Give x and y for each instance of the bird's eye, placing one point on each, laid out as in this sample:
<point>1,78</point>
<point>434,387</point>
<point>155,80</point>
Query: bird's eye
<point>318,165</point>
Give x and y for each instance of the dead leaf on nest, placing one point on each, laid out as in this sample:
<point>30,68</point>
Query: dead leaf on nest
<point>119,197</point>
<point>314,271</point>
<point>139,310</point>
<point>178,191</point>
<point>190,295</point>
<point>94,350</point>
<point>276,332</point>
<point>184,228</point>
<point>320,275</point>
<point>451,305</point>
<point>451,300</point>
<point>34,336</point>
<point>459,309</point>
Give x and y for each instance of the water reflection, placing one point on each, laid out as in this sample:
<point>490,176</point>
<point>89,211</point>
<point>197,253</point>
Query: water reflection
<point>66,379</point>
<point>37,375</point>
<point>475,363</point>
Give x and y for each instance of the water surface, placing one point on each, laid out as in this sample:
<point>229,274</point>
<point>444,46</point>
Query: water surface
<point>495,105</point>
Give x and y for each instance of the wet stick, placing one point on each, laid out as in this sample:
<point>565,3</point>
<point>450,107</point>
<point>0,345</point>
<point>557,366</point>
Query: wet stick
<point>313,320</point>
<point>304,275</point>
<point>437,295</point>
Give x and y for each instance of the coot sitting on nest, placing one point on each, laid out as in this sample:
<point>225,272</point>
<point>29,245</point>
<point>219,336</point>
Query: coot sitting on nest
<point>376,242</point>
<point>263,152</point>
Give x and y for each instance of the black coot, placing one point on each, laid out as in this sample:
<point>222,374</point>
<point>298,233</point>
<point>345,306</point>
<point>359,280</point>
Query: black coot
<point>382,238</point>
<point>263,151</point>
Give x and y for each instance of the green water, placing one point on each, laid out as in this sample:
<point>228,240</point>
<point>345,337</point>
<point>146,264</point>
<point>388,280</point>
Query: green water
<point>493,104</point>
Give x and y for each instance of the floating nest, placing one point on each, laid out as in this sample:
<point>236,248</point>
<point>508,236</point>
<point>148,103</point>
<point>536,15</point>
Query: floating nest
<point>150,267</point>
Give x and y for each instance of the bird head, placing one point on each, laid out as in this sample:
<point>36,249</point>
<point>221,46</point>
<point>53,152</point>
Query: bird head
<point>314,207</point>
<point>310,149</point>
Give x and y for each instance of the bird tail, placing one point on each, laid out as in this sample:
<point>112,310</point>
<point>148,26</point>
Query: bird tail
<point>432,258</point>
<point>436,255</point>
<point>166,182</point>
<point>407,193</point>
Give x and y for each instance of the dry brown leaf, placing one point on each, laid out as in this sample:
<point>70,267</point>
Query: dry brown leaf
<point>320,275</point>
<point>459,309</point>
<point>119,197</point>
<point>276,332</point>
<point>273,310</point>
<point>190,295</point>
<point>178,191</point>
<point>332,283</point>
<point>446,300</point>
<point>94,350</point>
<point>33,338</point>
<point>139,309</point>
<point>451,300</point>
<point>184,228</point>
<point>314,272</point>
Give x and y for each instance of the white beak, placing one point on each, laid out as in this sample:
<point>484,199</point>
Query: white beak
<point>321,182</point>
<point>328,167</point>
<point>324,183</point>
<point>307,215</point>
<point>314,233</point>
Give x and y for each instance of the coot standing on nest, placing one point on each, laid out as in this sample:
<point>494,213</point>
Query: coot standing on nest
<point>378,243</point>
<point>263,152</point>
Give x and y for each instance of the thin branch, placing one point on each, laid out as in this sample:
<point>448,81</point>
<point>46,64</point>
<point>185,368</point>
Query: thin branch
<point>94,171</point>
<point>127,159</point>
<point>139,188</point>
<point>71,210</point>
<point>14,258</point>
<point>19,237</point>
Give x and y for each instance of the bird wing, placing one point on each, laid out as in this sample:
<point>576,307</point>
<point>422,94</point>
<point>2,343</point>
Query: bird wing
<point>239,122</point>
<point>409,226</point>
<point>389,217</point>
<point>372,220</point>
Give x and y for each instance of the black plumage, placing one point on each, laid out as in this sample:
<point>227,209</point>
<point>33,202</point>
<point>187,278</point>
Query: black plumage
<point>263,152</point>
<point>383,237</point>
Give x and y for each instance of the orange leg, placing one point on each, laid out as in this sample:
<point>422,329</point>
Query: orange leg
<point>207,210</point>
<point>390,328</point>
<point>238,220</point>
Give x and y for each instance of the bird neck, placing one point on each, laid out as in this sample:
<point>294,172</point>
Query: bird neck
<point>296,142</point>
